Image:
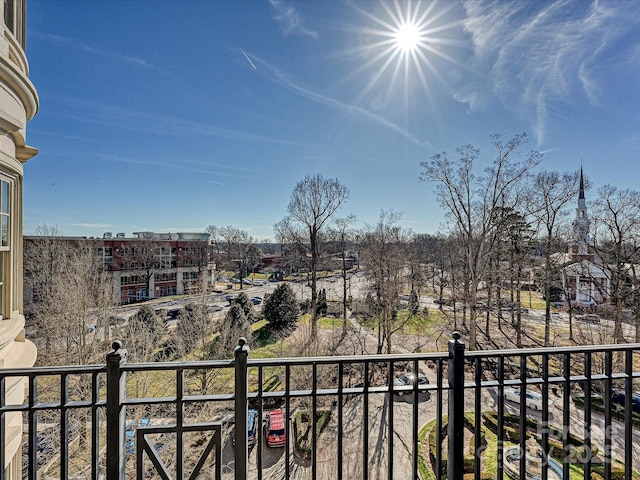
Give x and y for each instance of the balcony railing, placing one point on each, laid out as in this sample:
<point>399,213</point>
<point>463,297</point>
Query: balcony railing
<point>345,417</point>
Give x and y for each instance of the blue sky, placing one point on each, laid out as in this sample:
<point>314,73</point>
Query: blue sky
<point>174,115</point>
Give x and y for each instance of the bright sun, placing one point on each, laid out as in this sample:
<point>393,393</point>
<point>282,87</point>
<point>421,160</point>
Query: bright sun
<point>407,37</point>
<point>404,43</point>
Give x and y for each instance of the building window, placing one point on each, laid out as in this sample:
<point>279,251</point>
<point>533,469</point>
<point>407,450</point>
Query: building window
<point>9,16</point>
<point>5,195</point>
<point>3,257</point>
<point>4,214</point>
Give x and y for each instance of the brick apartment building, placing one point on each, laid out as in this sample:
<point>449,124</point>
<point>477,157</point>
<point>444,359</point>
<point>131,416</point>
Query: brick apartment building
<point>147,265</point>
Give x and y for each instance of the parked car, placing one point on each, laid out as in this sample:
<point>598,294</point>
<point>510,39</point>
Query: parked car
<point>246,281</point>
<point>408,379</point>
<point>588,318</point>
<point>259,283</point>
<point>252,428</point>
<point>619,398</point>
<point>130,434</point>
<point>275,428</point>
<point>256,300</point>
<point>533,400</point>
<point>116,320</point>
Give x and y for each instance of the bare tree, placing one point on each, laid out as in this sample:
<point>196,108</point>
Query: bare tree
<point>635,296</point>
<point>471,202</point>
<point>342,233</point>
<point>72,297</point>
<point>617,214</point>
<point>42,266</point>
<point>148,255</point>
<point>313,202</point>
<point>552,193</point>
<point>236,249</point>
<point>384,250</point>
<point>514,232</point>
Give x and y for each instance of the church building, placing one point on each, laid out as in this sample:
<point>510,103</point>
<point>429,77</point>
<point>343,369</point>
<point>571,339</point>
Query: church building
<point>584,281</point>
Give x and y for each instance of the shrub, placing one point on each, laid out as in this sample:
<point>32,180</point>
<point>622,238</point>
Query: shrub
<point>598,406</point>
<point>303,428</point>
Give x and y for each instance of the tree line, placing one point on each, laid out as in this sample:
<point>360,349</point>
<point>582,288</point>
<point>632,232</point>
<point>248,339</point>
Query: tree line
<point>505,227</point>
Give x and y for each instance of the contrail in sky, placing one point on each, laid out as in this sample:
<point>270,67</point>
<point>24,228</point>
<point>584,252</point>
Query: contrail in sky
<point>248,59</point>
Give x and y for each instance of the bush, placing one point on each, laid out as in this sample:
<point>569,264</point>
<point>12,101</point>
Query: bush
<point>598,406</point>
<point>469,459</point>
<point>303,428</point>
<point>305,306</point>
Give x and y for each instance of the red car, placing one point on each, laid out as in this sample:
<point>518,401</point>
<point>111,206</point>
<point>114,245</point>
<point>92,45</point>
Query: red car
<point>275,429</point>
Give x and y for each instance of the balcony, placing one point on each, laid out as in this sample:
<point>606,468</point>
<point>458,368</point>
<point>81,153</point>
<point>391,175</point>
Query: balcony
<point>464,419</point>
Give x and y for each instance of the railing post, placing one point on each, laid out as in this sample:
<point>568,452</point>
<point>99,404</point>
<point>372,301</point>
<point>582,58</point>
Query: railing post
<point>241,353</point>
<point>455,427</point>
<point>116,391</point>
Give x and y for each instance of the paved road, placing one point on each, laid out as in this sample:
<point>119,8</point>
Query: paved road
<point>378,436</point>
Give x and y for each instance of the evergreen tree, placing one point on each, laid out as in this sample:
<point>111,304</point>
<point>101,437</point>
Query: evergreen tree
<point>414,303</point>
<point>280,308</point>
<point>322,302</point>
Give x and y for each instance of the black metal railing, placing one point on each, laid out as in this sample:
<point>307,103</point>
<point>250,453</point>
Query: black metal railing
<point>354,417</point>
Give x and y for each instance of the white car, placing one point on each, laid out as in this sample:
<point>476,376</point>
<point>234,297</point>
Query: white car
<point>533,401</point>
<point>408,379</point>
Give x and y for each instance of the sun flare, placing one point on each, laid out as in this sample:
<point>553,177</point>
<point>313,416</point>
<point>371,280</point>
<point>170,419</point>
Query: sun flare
<point>407,37</point>
<point>405,44</point>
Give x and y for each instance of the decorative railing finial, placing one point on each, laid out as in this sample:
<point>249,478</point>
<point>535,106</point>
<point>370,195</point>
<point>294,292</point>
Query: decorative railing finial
<point>242,346</point>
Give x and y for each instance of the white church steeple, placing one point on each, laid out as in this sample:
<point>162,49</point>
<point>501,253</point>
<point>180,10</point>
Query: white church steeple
<point>581,224</point>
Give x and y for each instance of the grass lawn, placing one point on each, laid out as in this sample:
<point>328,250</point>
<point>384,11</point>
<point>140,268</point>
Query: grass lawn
<point>490,454</point>
<point>418,324</point>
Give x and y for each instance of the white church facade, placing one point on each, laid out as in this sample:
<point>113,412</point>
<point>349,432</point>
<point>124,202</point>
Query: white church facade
<point>584,277</point>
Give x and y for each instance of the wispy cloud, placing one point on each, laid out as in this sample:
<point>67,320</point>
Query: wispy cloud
<point>92,225</point>
<point>201,168</point>
<point>535,54</point>
<point>290,19</point>
<point>93,50</point>
<point>123,117</point>
<point>286,81</point>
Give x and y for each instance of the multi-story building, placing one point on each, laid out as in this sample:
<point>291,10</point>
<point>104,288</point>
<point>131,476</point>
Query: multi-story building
<point>146,265</point>
<point>152,265</point>
<point>18,104</point>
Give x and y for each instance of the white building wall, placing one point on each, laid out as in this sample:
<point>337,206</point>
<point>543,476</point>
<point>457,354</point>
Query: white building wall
<point>18,104</point>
